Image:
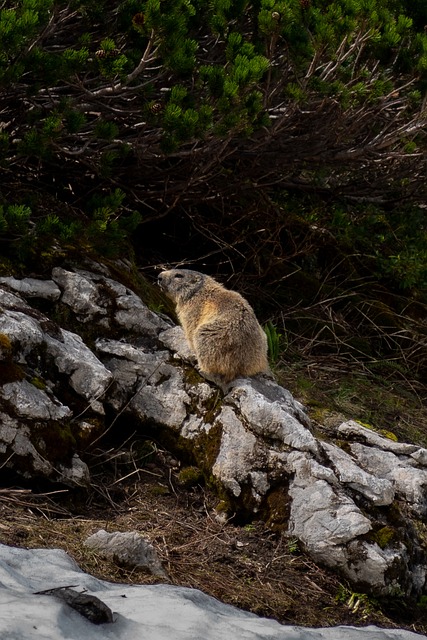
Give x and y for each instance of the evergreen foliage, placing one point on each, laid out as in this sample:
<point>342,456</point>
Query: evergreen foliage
<point>179,103</point>
<point>160,75</point>
<point>27,235</point>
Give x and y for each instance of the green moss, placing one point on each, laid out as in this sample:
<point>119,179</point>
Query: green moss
<point>208,446</point>
<point>365,424</point>
<point>389,434</point>
<point>192,376</point>
<point>190,477</point>
<point>223,506</point>
<point>38,382</point>
<point>212,407</point>
<point>384,536</point>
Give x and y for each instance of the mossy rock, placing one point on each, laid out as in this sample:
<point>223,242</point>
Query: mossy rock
<point>389,434</point>
<point>190,477</point>
<point>384,536</point>
<point>207,447</point>
<point>39,383</point>
<point>192,376</point>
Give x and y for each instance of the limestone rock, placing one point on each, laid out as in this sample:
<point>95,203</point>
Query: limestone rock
<point>30,402</point>
<point>274,393</point>
<point>353,429</point>
<point>132,314</point>
<point>33,288</point>
<point>88,376</point>
<point>18,450</point>
<point>95,297</point>
<point>409,482</point>
<point>329,524</point>
<point>379,490</point>
<point>165,401</point>
<point>322,515</point>
<point>35,436</point>
<point>15,444</point>
<point>174,339</point>
<point>270,419</point>
<point>76,473</point>
<point>158,391</point>
<point>128,548</point>
<point>23,331</point>
<point>30,331</point>
<point>397,463</point>
<point>79,293</point>
<point>237,456</point>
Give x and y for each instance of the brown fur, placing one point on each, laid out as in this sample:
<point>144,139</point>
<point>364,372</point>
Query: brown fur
<point>219,324</point>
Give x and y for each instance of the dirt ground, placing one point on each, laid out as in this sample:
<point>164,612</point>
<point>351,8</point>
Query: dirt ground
<point>249,566</point>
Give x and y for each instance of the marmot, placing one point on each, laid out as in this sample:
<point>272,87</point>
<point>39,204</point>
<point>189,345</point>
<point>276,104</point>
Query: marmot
<point>219,324</point>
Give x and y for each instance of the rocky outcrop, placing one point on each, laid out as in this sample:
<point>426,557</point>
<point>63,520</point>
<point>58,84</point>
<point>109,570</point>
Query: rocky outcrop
<point>97,355</point>
<point>37,602</point>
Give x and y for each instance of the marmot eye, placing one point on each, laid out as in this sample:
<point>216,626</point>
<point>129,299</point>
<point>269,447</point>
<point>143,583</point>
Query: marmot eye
<point>178,275</point>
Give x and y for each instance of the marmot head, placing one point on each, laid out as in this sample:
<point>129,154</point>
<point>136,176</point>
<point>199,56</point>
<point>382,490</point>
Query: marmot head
<point>181,284</point>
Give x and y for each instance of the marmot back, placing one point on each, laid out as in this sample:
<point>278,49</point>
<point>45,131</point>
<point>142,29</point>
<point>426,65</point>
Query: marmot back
<point>219,324</point>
